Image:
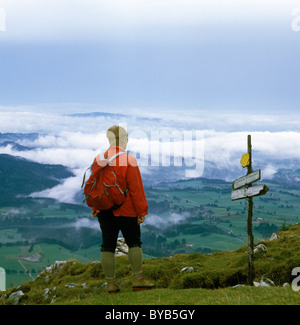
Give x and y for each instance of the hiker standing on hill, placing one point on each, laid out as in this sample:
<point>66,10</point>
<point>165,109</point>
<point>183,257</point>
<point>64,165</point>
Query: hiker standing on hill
<point>126,218</point>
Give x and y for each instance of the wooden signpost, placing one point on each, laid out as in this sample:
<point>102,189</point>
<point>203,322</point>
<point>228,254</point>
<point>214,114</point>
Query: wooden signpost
<point>247,180</point>
<point>244,193</point>
<point>243,189</point>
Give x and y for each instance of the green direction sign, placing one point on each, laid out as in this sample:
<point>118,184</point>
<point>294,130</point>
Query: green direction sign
<point>244,193</point>
<point>247,180</point>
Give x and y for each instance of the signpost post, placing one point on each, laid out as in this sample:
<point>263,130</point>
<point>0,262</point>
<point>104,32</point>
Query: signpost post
<point>241,192</point>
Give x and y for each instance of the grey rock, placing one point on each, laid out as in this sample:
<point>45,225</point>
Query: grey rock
<point>266,282</point>
<point>238,285</point>
<point>71,285</point>
<point>274,236</point>
<point>15,297</point>
<point>260,248</point>
<point>46,293</point>
<point>57,266</point>
<point>122,248</point>
<point>188,269</point>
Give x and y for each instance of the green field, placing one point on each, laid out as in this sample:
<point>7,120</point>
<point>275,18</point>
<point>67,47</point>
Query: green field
<point>211,204</point>
<point>15,272</point>
<point>213,223</point>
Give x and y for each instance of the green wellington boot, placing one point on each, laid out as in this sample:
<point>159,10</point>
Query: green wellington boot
<point>139,282</point>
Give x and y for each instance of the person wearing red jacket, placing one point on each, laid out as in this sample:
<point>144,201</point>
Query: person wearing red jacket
<point>126,218</point>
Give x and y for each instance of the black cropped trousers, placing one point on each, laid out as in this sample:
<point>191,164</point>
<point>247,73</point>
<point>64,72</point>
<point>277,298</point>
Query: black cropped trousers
<point>111,226</point>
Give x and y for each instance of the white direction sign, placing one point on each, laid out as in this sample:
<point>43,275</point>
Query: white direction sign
<point>247,180</point>
<point>244,193</point>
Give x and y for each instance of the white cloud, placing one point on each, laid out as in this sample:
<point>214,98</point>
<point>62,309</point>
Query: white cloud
<point>70,157</point>
<point>64,192</point>
<point>166,220</point>
<point>86,223</point>
<point>14,119</point>
<point>269,171</point>
<point>74,141</point>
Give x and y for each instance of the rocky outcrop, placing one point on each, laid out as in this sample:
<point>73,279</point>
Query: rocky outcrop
<point>264,282</point>
<point>274,236</point>
<point>261,248</point>
<point>57,266</point>
<point>122,248</point>
<point>15,297</point>
<point>188,269</point>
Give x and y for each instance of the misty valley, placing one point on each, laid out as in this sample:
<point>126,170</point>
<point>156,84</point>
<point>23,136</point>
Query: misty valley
<point>185,216</point>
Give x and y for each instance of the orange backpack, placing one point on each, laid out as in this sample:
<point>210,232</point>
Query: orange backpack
<point>101,190</point>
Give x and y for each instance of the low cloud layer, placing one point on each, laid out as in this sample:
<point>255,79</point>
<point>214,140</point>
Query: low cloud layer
<point>166,220</point>
<point>74,141</point>
<point>86,223</point>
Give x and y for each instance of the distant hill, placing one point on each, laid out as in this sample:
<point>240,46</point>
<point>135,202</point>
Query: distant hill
<point>15,146</point>
<point>18,136</point>
<point>21,177</point>
<point>110,115</point>
<point>289,178</point>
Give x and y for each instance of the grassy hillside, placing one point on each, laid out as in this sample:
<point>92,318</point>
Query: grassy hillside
<point>209,282</point>
<point>20,177</point>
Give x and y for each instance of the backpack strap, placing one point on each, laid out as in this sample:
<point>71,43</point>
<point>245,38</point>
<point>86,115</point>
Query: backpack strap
<point>115,156</point>
<point>109,162</point>
<point>83,180</point>
<point>101,158</point>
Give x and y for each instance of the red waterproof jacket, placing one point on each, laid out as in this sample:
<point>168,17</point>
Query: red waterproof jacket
<point>128,175</point>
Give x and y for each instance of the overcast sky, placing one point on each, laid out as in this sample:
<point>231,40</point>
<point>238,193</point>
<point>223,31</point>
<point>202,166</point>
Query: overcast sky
<point>151,54</point>
<point>226,67</point>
